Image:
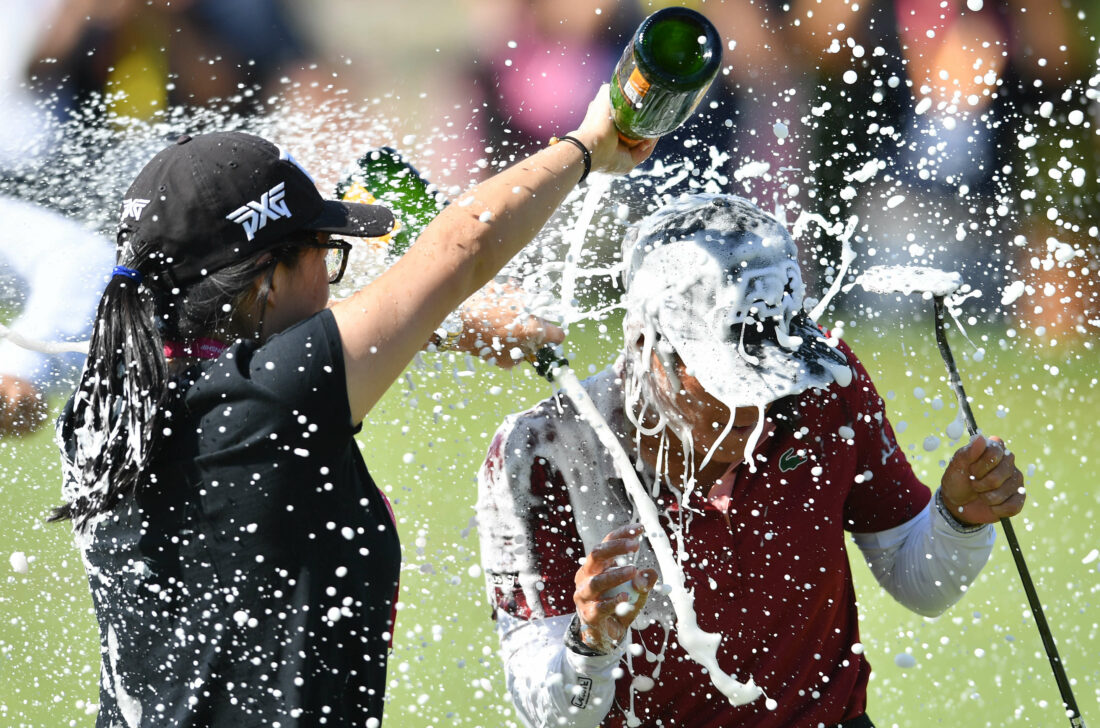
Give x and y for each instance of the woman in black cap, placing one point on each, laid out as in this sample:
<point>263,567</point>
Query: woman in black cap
<point>243,564</point>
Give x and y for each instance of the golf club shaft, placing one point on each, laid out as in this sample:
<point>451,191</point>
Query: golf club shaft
<point>1010,534</point>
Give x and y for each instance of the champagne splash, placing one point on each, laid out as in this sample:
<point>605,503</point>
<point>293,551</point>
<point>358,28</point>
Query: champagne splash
<point>43,347</point>
<point>700,645</point>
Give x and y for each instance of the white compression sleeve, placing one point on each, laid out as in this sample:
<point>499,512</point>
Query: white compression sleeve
<point>550,684</point>
<point>925,563</point>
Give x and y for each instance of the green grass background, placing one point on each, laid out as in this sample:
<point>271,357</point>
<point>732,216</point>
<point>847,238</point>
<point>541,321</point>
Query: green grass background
<point>981,664</point>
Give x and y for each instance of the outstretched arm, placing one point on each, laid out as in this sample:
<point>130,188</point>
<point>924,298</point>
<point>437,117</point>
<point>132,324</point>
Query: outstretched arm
<point>383,325</point>
<point>497,327</point>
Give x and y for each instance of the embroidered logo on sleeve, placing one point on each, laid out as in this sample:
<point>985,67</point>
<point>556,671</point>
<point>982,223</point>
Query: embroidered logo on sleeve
<point>790,460</point>
<point>582,692</point>
<point>254,215</point>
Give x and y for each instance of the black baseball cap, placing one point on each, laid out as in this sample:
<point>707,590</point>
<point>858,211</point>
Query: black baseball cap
<point>212,200</point>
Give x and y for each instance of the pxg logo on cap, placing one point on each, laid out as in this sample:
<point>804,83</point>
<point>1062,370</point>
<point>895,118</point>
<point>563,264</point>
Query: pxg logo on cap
<point>255,214</point>
<point>174,215</point>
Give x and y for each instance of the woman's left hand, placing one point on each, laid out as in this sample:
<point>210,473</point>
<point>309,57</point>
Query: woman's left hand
<point>982,483</point>
<point>497,327</point>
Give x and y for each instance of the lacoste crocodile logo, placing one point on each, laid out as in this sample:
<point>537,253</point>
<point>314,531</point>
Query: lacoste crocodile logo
<point>790,460</point>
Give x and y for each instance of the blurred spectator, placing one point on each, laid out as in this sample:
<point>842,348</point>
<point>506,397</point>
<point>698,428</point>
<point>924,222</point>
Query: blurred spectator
<point>955,132</point>
<point>52,272</point>
<point>927,200</point>
<point>535,57</point>
<point>144,56</point>
<point>25,136</point>
<point>1049,143</point>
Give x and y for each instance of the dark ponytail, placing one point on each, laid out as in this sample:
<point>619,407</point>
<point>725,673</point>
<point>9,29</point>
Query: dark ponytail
<point>122,407</point>
<point>116,411</point>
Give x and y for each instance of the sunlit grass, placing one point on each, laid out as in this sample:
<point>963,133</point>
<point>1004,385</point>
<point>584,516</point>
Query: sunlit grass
<point>981,664</point>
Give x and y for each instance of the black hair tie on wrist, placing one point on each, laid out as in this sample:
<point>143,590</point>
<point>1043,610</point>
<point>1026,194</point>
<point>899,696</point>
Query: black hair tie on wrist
<point>579,145</point>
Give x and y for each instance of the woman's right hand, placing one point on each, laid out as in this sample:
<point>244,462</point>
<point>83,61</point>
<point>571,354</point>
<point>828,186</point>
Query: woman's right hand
<point>609,153</point>
<point>604,621</point>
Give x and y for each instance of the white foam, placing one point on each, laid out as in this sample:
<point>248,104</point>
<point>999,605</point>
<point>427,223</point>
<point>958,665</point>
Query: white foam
<point>599,185</point>
<point>867,171</point>
<point>19,563</point>
<point>1012,292</point>
<point>843,233</point>
<point>43,347</point>
<point>700,645</point>
<point>909,279</point>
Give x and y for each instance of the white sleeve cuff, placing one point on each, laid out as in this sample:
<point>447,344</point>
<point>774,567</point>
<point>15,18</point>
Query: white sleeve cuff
<point>551,685</point>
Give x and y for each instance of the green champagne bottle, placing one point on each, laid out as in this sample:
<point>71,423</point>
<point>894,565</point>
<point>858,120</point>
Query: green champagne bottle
<point>383,176</point>
<point>664,73</point>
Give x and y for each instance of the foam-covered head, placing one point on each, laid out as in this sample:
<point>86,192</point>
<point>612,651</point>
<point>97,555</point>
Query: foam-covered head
<point>719,280</point>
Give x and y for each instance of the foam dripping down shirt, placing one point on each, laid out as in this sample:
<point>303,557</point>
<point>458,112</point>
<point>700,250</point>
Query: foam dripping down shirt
<point>251,578</point>
<point>767,563</point>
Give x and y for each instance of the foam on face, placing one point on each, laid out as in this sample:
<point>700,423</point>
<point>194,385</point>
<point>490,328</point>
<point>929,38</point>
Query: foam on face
<point>701,303</point>
<point>909,279</point>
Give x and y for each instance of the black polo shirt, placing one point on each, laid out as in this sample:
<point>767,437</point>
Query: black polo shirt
<point>251,579</point>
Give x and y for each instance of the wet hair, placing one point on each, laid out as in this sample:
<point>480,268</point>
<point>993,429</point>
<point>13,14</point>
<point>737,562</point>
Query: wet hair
<point>784,412</point>
<point>122,407</point>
